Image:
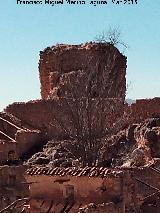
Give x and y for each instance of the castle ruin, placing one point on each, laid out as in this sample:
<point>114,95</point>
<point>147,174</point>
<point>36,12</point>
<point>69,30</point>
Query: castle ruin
<point>81,133</point>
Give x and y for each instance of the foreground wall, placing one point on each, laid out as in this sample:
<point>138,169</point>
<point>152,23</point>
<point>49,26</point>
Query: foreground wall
<point>53,189</point>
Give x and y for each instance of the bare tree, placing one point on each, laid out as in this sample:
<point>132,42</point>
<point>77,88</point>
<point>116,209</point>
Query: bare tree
<point>90,117</point>
<point>113,36</point>
<point>16,206</point>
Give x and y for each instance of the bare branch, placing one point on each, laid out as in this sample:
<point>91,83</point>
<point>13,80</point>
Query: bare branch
<point>12,205</point>
<point>112,36</point>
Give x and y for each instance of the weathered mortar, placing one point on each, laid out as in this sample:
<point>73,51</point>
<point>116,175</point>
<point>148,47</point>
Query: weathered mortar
<point>78,70</point>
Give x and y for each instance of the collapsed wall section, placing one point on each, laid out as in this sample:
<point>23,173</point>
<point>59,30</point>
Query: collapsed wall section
<point>91,69</point>
<point>15,136</point>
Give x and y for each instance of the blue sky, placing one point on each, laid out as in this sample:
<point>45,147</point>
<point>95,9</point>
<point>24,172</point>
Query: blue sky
<point>27,29</point>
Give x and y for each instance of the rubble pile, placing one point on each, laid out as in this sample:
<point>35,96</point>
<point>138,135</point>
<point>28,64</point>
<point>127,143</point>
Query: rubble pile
<point>54,154</point>
<point>137,145</point>
<point>134,146</point>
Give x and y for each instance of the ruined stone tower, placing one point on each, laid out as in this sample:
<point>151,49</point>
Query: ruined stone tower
<point>89,81</point>
<point>91,69</point>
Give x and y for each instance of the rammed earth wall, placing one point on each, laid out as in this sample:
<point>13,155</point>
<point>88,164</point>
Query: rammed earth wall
<point>93,69</point>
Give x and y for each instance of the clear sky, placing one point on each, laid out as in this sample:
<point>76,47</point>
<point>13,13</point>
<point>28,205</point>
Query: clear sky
<point>27,29</point>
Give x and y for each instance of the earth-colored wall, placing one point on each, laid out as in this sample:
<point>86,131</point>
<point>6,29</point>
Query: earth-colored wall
<point>143,109</point>
<point>93,69</point>
<point>48,189</point>
<point>55,117</point>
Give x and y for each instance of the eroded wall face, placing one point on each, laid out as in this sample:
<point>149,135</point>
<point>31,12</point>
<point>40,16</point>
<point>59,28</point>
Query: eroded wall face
<point>143,109</point>
<point>91,69</point>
